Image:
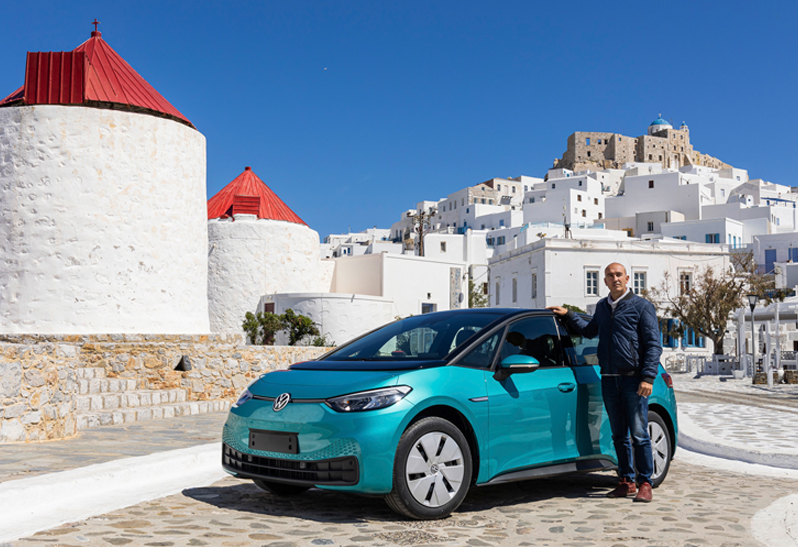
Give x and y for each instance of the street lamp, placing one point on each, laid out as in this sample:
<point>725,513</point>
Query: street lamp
<point>752,300</point>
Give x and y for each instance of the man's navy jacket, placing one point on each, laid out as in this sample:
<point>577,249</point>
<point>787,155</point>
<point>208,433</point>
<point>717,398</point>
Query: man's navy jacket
<point>629,338</point>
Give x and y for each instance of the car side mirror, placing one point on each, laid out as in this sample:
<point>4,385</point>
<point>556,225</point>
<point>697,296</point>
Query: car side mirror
<point>515,364</point>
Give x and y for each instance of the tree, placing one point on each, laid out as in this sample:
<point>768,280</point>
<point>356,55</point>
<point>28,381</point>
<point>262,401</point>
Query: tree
<point>298,327</point>
<point>261,328</point>
<point>705,302</point>
<point>422,224</point>
<point>575,309</point>
<point>476,298</point>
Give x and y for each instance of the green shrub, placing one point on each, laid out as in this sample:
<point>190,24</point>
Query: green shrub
<point>262,328</point>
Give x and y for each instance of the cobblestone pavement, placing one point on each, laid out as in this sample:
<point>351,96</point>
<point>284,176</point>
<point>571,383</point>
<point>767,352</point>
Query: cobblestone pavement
<point>741,425</point>
<point>696,506</point>
<point>104,444</point>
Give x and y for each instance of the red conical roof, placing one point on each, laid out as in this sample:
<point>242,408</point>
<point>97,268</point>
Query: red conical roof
<point>103,76</point>
<point>250,195</point>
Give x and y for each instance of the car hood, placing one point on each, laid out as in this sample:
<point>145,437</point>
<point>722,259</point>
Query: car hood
<point>320,384</point>
<point>398,365</point>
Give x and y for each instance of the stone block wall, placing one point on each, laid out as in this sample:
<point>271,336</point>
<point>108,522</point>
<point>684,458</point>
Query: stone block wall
<point>38,382</point>
<point>40,374</point>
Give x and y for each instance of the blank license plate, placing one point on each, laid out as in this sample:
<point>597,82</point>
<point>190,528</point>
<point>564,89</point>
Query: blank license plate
<point>274,441</point>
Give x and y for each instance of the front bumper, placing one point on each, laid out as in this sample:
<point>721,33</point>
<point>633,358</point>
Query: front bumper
<point>332,472</point>
<point>357,449</point>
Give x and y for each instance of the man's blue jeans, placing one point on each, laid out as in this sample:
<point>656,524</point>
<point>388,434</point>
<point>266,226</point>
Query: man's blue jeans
<point>628,414</point>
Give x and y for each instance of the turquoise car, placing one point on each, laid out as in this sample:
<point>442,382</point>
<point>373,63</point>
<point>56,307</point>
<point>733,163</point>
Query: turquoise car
<point>421,409</point>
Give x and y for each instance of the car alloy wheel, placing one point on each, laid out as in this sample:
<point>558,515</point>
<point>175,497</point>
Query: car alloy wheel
<point>432,470</point>
<point>660,447</point>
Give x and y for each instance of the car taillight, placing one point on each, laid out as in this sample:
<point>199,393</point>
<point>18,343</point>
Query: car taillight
<point>668,379</point>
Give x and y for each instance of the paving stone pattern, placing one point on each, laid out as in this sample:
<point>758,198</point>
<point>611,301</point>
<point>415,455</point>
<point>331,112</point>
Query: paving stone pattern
<point>758,429</point>
<point>696,506</point>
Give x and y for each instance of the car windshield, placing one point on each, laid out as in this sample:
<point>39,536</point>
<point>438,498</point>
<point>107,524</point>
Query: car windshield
<point>421,337</point>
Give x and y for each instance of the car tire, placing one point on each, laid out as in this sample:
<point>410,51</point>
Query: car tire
<point>432,470</point>
<point>279,488</point>
<point>661,447</point>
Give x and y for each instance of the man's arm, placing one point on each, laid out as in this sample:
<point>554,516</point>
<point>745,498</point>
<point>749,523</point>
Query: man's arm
<point>650,347</point>
<point>585,328</point>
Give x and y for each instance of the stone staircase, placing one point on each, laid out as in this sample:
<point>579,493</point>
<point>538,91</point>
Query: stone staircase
<point>112,401</point>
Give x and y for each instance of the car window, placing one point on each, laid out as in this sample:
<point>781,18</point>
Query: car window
<point>413,342</point>
<point>534,336</point>
<point>582,351</point>
<point>482,355</point>
<point>422,337</point>
<point>462,336</point>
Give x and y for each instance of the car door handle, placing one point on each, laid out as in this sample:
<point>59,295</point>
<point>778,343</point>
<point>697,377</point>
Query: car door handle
<point>566,388</point>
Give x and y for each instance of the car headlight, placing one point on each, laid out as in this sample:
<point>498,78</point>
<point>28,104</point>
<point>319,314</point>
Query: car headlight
<point>368,400</point>
<point>245,396</point>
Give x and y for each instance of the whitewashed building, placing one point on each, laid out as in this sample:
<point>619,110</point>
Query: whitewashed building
<point>373,289</point>
<point>575,200</point>
<point>372,240</point>
<point>571,271</point>
<point>769,249</point>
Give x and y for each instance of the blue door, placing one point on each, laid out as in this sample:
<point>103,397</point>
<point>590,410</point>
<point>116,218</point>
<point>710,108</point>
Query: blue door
<point>533,415</point>
<point>770,259</point>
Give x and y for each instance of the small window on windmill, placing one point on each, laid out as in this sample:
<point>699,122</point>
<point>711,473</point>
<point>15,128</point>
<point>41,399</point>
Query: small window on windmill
<point>184,364</point>
<point>246,205</point>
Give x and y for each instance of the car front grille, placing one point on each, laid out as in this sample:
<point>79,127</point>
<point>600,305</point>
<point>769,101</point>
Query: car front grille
<point>333,472</point>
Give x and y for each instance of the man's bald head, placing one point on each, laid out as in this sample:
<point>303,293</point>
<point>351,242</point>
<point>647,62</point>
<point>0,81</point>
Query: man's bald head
<point>616,279</point>
<point>615,265</point>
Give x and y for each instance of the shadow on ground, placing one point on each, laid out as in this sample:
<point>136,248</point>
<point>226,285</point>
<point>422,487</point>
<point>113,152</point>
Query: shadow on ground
<point>343,508</point>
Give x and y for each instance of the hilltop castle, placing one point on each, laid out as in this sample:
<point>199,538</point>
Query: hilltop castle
<point>592,151</point>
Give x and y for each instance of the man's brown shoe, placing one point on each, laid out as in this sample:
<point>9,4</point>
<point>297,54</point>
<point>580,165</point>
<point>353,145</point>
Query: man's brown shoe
<point>644,494</point>
<point>625,488</point>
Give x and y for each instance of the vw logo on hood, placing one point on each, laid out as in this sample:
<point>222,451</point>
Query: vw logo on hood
<point>281,401</point>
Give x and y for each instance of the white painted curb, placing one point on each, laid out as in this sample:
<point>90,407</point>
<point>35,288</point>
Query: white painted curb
<point>39,503</point>
<point>777,524</point>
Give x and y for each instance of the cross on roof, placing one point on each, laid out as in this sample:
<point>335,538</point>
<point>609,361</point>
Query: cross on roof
<point>95,23</point>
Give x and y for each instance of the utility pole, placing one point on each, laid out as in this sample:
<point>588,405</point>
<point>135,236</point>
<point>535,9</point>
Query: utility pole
<point>422,224</point>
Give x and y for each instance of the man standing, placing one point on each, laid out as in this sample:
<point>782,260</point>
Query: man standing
<point>628,352</point>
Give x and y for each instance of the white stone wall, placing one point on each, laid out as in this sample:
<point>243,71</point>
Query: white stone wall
<point>102,222</point>
<point>339,317</point>
<point>249,258</point>
<point>409,282</point>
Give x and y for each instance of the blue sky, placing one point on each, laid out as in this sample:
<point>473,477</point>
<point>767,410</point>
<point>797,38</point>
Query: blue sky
<point>354,111</point>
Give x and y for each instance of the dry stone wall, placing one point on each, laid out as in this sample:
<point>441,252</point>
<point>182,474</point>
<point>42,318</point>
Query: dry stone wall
<point>40,375</point>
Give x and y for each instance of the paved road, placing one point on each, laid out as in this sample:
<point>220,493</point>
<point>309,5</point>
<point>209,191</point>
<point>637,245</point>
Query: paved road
<point>696,506</point>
